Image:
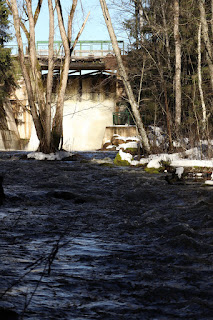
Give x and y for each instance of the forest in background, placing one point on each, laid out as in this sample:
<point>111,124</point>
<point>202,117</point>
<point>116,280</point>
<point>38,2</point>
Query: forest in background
<point>170,64</point>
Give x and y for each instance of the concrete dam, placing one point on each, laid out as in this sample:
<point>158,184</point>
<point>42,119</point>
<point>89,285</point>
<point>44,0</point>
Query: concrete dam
<point>92,106</point>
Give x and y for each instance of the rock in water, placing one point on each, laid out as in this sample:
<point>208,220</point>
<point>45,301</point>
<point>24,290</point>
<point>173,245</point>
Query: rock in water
<point>174,179</point>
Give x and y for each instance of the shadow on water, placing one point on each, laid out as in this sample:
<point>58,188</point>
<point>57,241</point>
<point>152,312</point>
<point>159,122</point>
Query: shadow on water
<point>84,241</point>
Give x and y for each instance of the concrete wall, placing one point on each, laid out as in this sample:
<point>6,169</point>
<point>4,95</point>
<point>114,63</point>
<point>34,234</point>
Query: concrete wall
<point>88,107</point>
<point>121,130</point>
<point>8,140</point>
<point>87,123</point>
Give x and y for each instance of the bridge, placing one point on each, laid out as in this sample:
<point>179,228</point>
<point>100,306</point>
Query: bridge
<point>87,55</point>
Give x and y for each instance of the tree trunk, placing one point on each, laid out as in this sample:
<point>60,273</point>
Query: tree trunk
<point>70,20</point>
<point>140,18</point>
<point>124,77</point>
<point>200,76</point>
<point>177,65</point>
<point>37,78</point>
<point>163,4</point>
<point>164,86</point>
<point>205,33</point>
<point>38,97</point>
<point>49,75</point>
<point>212,16</point>
<point>57,131</point>
<point>31,97</point>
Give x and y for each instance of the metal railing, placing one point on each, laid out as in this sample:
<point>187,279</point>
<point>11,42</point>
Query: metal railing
<point>96,48</point>
<point>122,118</point>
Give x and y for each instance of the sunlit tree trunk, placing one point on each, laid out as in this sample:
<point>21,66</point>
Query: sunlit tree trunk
<point>124,77</point>
<point>138,22</point>
<point>206,38</point>
<point>200,76</point>
<point>30,92</point>
<point>177,65</point>
<point>37,79</point>
<point>39,97</point>
<point>50,74</point>
<point>212,17</point>
<point>57,132</point>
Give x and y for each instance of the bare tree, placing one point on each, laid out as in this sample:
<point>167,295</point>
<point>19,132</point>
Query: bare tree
<point>177,65</point>
<point>206,38</point>
<point>124,77</point>
<point>39,94</point>
<point>212,16</point>
<point>200,76</point>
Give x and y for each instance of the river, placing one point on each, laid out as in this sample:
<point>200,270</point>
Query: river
<point>80,240</point>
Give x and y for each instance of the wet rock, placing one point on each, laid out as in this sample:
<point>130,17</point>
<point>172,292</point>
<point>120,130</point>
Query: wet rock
<point>112,148</point>
<point>73,157</point>
<point>174,179</point>
<point>24,157</point>
<point>107,144</point>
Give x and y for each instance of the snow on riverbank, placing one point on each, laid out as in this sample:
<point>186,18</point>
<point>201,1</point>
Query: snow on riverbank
<point>52,156</point>
<point>175,159</point>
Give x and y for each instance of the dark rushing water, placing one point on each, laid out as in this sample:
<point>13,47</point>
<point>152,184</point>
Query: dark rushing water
<point>83,241</point>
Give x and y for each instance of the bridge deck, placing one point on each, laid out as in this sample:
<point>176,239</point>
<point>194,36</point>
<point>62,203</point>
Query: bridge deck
<point>87,55</point>
<point>80,63</point>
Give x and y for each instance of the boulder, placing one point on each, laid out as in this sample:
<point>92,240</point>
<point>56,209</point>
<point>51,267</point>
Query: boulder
<point>111,148</point>
<point>106,144</point>
<point>116,140</point>
<point>119,161</point>
<point>73,157</point>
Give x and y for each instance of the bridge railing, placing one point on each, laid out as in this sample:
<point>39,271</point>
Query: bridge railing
<point>96,48</point>
<point>122,118</point>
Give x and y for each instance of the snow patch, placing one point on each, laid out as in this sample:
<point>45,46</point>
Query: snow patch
<point>125,156</point>
<point>132,145</point>
<point>179,171</point>
<point>154,163</point>
<point>177,160</point>
<point>209,182</point>
<point>52,156</point>
<point>192,163</point>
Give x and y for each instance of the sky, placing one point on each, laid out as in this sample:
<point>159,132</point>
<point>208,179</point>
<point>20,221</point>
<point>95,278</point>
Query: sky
<point>95,28</point>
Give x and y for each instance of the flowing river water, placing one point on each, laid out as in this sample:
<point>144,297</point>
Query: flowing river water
<point>79,240</point>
